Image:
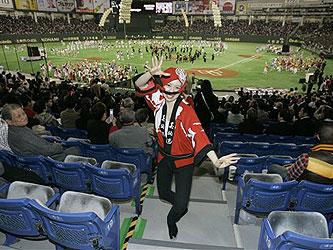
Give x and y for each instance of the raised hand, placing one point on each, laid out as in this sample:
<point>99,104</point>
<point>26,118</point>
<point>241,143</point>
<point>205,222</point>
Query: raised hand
<point>226,160</point>
<point>155,69</point>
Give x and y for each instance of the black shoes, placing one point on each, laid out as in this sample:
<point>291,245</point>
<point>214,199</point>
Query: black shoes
<point>173,230</point>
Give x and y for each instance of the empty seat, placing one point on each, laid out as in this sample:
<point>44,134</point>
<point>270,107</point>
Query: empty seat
<point>228,147</point>
<point>262,197</point>
<point>82,221</point>
<point>271,178</point>
<point>17,219</point>
<point>260,148</point>
<point>117,180</point>
<point>294,230</point>
<point>69,175</point>
<point>78,139</point>
<point>76,158</point>
<point>99,152</point>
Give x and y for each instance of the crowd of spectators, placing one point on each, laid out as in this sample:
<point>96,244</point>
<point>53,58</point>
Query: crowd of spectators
<point>25,25</point>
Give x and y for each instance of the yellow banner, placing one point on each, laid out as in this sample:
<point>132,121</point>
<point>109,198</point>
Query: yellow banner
<point>241,8</point>
<point>26,4</point>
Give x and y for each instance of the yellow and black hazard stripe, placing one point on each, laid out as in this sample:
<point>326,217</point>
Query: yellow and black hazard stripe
<point>131,229</point>
<point>134,220</point>
<point>144,192</point>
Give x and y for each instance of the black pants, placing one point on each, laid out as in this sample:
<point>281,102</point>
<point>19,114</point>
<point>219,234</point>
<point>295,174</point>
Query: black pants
<point>180,198</point>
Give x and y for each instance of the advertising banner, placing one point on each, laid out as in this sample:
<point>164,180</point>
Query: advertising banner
<point>199,7</point>
<point>241,8</point>
<point>6,4</point>
<point>178,6</point>
<point>100,6</point>
<point>47,5</point>
<point>227,6</point>
<point>85,6</point>
<point>65,5</point>
<point>26,4</point>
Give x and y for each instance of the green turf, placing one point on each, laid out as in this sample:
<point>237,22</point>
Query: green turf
<point>251,71</point>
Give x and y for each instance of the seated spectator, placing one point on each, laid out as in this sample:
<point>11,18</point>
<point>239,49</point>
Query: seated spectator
<point>69,115</point>
<point>98,129</point>
<point>250,125</point>
<point>131,135</point>
<point>315,166</point>
<point>42,116</point>
<point>284,126</point>
<point>141,117</point>
<point>23,141</point>
<point>85,114</point>
<point>305,125</point>
<point>127,103</point>
<point>234,116</point>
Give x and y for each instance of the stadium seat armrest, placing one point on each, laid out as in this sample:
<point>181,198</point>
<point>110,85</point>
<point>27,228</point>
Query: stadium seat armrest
<point>113,213</point>
<point>53,199</point>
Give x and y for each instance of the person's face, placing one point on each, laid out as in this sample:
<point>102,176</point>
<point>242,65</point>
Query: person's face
<point>19,118</point>
<point>173,86</point>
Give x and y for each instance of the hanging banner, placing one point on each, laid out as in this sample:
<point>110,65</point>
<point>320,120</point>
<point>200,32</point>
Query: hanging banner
<point>66,5</point>
<point>26,4</point>
<point>227,6</point>
<point>47,5</point>
<point>100,6</point>
<point>6,4</point>
<point>241,8</point>
<point>85,6</point>
<point>198,7</point>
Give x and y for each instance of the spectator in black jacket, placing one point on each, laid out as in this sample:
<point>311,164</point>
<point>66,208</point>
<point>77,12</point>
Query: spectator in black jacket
<point>98,129</point>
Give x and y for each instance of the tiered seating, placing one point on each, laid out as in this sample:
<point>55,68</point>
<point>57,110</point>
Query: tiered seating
<point>219,137</point>
<point>261,194</point>
<point>262,148</point>
<point>66,133</point>
<point>253,164</point>
<point>81,221</point>
<point>17,219</point>
<point>294,230</point>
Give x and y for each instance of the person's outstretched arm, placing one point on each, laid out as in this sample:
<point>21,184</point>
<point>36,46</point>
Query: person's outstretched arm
<point>224,161</point>
<point>154,70</point>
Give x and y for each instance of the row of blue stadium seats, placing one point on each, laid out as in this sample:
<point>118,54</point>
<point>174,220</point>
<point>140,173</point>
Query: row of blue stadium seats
<point>114,180</point>
<point>79,221</point>
<point>294,230</point>
<point>262,149</point>
<point>261,194</point>
<point>298,140</point>
<point>105,152</point>
<point>254,164</point>
<point>65,133</point>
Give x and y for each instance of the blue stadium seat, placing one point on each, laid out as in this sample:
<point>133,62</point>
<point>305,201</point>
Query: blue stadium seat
<point>260,148</point>
<point>78,139</point>
<point>261,194</point>
<point>100,152</point>
<point>52,138</point>
<point>252,164</point>
<point>315,197</point>
<point>82,221</point>
<point>228,147</point>
<point>117,180</point>
<point>253,138</point>
<point>35,164</point>
<point>136,156</point>
<point>301,149</point>
<point>69,175</point>
<point>289,149</point>
<point>279,160</point>
<point>294,230</point>
<point>76,158</point>
<point>65,133</point>
<point>17,219</point>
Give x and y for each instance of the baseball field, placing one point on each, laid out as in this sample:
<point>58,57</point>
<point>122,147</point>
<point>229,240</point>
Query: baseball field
<point>241,64</point>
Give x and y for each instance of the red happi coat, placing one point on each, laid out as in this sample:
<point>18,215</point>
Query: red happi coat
<point>189,137</point>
